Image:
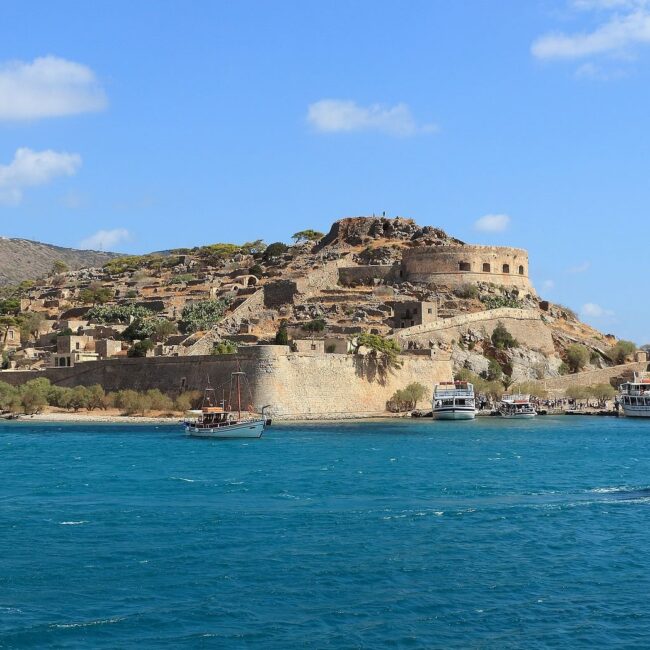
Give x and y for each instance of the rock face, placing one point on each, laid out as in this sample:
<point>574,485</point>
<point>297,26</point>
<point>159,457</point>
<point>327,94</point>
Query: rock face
<point>22,259</point>
<point>354,231</point>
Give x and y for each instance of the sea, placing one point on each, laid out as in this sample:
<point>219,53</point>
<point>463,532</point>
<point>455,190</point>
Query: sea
<point>371,534</point>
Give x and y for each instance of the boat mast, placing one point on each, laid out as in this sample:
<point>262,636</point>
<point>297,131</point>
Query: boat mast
<point>238,396</point>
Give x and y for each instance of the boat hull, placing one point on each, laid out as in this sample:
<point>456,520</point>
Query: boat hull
<point>636,412</point>
<point>454,414</point>
<point>252,429</point>
<point>518,416</point>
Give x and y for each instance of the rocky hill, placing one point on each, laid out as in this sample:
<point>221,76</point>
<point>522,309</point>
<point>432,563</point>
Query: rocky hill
<point>331,288</point>
<point>22,259</point>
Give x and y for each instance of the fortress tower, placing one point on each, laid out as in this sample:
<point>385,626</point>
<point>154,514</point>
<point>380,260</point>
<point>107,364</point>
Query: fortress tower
<point>454,265</point>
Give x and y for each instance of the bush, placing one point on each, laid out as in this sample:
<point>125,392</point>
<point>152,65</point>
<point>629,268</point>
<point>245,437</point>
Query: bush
<point>158,401</point>
<point>118,313</point>
<point>275,250</point>
<point>467,291</point>
<point>496,302</point>
<point>203,315</point>
<point>621,350</point>
<point>224,347</point>
<point>282,335</point>
<point>494,371</point>
<point>140,348</point>
<point>502,339</point>
<point>576,357</point>
<point>256,270</point>
<point>95,294</point>
<point>131,402</point>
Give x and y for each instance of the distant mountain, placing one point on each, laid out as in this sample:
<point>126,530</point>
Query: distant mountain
<point>21,259</point>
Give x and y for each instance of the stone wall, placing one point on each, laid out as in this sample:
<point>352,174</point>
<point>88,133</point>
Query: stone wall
<point>353,275</point>
<point>456,265</point>
<point>296,386</point>
<point>525,325</point>
<point>611,375</point>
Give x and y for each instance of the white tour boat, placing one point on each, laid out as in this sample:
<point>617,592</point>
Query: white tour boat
<point>454,401</point>
<point>517,407</point>
<point>635,396</point>
<point>225,421</point>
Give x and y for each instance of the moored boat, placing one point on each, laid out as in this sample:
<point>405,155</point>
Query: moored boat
<point>225,421</point>
<point>634,396</point>
<point>454,401</point>
<point>517,407</point>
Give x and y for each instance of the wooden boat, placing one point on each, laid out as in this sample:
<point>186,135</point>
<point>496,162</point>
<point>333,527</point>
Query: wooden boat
<point>212,421</point>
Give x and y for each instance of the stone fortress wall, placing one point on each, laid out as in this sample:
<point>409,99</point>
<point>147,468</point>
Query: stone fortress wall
<point>296,386</point>
<point>455,265</point>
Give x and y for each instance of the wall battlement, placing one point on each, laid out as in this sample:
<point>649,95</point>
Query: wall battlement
<point>454,265</point>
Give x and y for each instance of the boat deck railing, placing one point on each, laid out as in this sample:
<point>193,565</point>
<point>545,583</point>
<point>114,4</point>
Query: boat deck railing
<point>453,392</point>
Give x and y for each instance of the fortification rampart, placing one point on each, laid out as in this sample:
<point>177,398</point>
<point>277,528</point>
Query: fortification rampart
<point>525,325</point>
<point>590,377</point>
<point>296,386</point>
<point>367,274</point>
<point>456,265</point>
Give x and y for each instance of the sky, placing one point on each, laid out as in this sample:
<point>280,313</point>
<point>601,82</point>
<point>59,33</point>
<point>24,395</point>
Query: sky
<point>148,125</point>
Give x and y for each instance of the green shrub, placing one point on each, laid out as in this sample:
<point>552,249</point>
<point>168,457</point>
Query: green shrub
<point>467,291</point>
<point>224,347</point>
<point>203,315</point>
<point>502,339</point>
<point>282,335</point>
<point>621,350</point>
<point>576,357</point>
<point>140,348</point>
<point>117,313</point>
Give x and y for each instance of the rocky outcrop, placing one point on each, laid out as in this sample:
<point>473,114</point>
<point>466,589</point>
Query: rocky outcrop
<point>355,231</point>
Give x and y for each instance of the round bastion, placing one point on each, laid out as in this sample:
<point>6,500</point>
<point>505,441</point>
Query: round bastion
<point>456,265</point>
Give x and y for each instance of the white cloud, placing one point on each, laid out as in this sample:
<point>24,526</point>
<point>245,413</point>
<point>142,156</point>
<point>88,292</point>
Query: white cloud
<point>30,168</point>
<point>344,116</point>
<point>104,240</point>
<point>547,285</point>
<point>580,268</point>
<point>595,311</point>
<point>620,31</point>
<point>492,223</point>
<point>48,87</point>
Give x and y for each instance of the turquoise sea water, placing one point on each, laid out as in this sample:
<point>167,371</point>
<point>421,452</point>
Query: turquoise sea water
<point>410,534</point>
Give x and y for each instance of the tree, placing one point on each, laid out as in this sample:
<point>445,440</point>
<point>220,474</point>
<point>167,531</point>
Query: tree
<point>256,270</point>
<point>386,351</point>
<point>621,351</point>
<point>502,339</point>
<point>602,392</point>
<point>577,392</point>
<point>96,397</point>
<point>307,235</point>
<point>31,323</point>
<point>59,267</point>
<point>314,326</point>
<point>95,294</point>
<point>415,392</point>
<point>140,348</point>
<point>78,398</point>
<point>282,335</point>
<point>494,372</point>
<point>9,397</point>
<point>275,250</point>
<point>576,357</point>
<point>33,394</point>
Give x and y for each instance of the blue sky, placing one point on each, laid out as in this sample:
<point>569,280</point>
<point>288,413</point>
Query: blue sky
<point>147,125</point>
